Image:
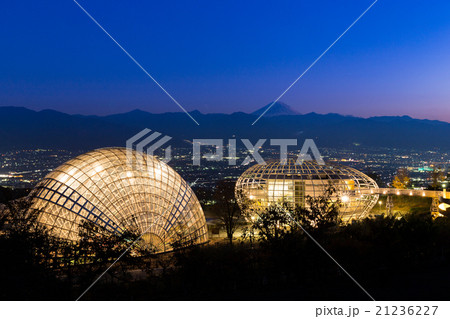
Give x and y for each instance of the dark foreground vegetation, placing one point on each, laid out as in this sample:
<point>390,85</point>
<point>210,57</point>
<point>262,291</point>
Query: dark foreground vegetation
<point>405,258</point>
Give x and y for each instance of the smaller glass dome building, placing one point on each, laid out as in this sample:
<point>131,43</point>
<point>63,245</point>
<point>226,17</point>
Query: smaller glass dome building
<point>265,184</point>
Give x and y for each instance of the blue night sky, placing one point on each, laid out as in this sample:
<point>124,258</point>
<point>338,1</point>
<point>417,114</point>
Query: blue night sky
<point>227,56</point>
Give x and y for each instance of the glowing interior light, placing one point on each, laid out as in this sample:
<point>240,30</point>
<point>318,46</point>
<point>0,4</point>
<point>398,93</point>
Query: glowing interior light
<point>98,168</point>
<point>423,194</point>
<point>64,178</point>
<point>443,206</point>
<point>252,197</point>
<point>291,182</point>
<point>380,202</point>
<point>410,193</point>
<point>398,192</point>
<point>158,172</point>
<point>129,174</point>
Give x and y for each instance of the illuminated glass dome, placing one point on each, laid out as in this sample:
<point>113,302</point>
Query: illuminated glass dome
<point>265,184</point>
<point>118,193</point>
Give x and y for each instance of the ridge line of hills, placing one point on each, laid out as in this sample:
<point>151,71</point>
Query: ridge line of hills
<point>22,128</point>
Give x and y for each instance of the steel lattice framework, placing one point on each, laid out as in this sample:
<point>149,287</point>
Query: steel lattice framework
<point>265,184</point>
<point>119,189</point>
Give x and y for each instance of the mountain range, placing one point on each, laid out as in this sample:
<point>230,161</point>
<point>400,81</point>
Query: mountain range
<point>22,128</point>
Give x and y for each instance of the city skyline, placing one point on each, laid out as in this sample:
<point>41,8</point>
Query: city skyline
<point>228,58</point>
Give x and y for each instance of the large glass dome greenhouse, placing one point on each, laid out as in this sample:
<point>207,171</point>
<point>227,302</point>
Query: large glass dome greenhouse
<point>274,182</point>
<point>120,189</point>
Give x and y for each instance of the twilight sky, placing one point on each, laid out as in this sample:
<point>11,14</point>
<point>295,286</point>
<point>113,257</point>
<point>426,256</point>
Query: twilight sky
<point>227,56</point>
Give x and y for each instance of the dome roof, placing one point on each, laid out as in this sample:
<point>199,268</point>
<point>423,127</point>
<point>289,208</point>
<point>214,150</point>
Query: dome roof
<point>117,193</point>
<point>306,170</point>
<point>291,182</point>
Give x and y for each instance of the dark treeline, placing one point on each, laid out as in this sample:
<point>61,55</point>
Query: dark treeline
<point>38,266</point>
<point>9,194</point>
<point>393,258</point>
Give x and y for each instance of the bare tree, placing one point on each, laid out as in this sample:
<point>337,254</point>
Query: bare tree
<point>227,208</point>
